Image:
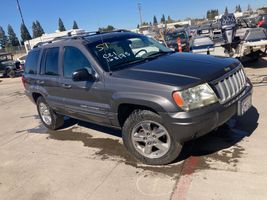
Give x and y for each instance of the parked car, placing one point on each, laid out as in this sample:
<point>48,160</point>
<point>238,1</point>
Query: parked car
<point>172,36</point>
<point>159,100</point>
<point>205,30</point>
<point>262,21</point>
<point>8,67</point>
<point>202,45</point>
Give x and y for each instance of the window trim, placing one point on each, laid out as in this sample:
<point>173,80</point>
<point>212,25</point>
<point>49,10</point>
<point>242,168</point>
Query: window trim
<point>37,64</point>
<point>42,70</point>
<point>63,53</point>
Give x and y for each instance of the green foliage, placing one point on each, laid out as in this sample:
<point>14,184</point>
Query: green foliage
<point>12,38</point>
<point>106,29</point>
<point>145,24</point>
<point>211,14</point>
<point>169,20</point>
<point>3,38</point>
<point>155,21</point>
<point>25,35</point>
<point>75,25</point>
<point>163,20</point>
<point>34,30</point>
<point>39,28</point>
<point>226,11</point>
<point>238,8</point>
<point>249,8</point>
<point>61,26</point>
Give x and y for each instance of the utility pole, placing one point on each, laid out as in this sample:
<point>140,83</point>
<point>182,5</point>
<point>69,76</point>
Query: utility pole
<point>140,13</point>
<point>22,19</point>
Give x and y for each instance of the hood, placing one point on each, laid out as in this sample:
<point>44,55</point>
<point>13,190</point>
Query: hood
<point>179,69</point>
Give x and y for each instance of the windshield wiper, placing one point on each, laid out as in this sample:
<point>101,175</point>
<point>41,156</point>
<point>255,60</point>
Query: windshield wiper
<point>121,65</point>
<point>151,56</point>
<point>157,54</point>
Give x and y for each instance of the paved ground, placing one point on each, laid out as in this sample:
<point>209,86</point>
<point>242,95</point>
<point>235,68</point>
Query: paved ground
<point>85,161</point>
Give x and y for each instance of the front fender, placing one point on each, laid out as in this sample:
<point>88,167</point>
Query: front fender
<point>155,102</point>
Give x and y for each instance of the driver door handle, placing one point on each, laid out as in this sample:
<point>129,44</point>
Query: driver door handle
<point>68,86</point>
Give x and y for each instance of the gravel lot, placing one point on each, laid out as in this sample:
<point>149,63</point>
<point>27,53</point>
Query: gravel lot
<point>85,161</point>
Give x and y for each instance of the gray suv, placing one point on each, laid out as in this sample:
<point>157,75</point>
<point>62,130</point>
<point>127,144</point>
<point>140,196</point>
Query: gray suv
<point>158,98</point>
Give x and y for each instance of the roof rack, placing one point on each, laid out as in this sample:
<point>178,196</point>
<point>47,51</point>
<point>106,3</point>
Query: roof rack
<point>77,36</point>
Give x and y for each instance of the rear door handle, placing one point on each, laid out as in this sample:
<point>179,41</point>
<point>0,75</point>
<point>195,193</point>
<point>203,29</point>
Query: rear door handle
<point>40,82</point>
<point>66,85</point>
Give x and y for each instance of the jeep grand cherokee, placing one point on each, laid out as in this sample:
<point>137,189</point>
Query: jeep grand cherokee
<point>158,98</point>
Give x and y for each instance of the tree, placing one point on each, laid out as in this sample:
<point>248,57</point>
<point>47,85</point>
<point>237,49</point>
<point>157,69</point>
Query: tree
<point>106,29</point>
<point>12,38</point>
<point>39,29</point>
<point>226,11</point>
<point>3,38</point>
<point>145,24</point>
<point>163,20</point>
<point>155,21</point>
<point>238,8</point>
<point>169,20</point>
<point>61,26</point>
<point>211,14</point>
<point>75,25</point>
<point>25,35</point>
<point>249,8</point>
<point>34,30</point>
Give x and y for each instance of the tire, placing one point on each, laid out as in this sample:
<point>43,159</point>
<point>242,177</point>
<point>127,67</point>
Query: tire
<point>157,156</point>
<point>11,73</point>
<point>56,120</point>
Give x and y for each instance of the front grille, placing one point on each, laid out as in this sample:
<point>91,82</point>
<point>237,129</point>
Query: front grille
<point>231,85</point>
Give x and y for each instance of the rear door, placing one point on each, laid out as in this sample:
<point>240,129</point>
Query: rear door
<point>49,78</point>
<point>84,99</point>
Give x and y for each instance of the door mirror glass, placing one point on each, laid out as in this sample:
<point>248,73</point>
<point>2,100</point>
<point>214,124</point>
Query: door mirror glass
<point>83,75</point>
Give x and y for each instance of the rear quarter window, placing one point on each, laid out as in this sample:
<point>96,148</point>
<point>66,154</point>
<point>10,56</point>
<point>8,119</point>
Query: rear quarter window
<point>32,62</point>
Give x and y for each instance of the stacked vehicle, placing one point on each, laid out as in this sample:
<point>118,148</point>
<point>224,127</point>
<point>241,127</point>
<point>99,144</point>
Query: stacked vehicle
<point>239,40</point>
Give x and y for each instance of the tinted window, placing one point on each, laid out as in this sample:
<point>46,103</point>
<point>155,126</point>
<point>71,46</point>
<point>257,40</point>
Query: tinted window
<point>31,62</point>
<point>74,59</point>
<point>51,61</point>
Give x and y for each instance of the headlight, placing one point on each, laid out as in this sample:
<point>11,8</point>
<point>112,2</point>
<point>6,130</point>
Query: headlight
<point>196,97</point>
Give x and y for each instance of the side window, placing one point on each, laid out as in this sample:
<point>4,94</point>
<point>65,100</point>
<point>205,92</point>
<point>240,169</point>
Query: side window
<point>51,61</point>
<point>74,59</point>
<point>32,62</point>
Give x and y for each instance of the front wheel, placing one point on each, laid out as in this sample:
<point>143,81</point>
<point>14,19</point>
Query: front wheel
<point>146,137</point>
<point>49,118</point>
<point>10,73</point>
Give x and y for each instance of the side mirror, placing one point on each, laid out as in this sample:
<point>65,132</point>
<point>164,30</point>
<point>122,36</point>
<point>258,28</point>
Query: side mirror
<point>83,75</point>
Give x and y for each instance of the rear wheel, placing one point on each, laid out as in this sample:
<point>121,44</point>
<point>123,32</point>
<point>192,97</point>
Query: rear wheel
<point>50,118</point>
<point>146,137</point>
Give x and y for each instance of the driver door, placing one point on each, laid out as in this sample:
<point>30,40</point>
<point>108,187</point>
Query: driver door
<point>83,99</point>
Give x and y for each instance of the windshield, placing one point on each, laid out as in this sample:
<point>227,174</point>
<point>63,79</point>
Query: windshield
<point>175,35</point>
<point>118,53</point>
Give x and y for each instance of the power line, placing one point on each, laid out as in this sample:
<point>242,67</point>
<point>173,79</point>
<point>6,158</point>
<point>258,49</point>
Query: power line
<point>140,13</point>
<point>22,19</point>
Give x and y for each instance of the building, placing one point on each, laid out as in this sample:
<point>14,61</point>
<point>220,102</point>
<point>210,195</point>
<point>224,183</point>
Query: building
<point>51,36</point>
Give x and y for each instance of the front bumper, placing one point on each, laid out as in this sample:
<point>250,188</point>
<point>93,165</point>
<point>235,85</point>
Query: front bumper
<point>185,126</point>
